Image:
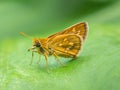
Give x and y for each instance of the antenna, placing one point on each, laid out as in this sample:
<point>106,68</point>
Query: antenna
<point>22,33</point>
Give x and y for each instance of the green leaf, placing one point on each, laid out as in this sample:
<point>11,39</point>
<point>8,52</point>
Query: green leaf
<point>97,68</point>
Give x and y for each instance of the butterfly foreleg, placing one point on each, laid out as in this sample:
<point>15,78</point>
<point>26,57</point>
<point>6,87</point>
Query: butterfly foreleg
<point>32,57</point>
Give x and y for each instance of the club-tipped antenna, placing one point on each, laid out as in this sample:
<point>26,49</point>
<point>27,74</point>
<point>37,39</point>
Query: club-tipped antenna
<point>22,33</point>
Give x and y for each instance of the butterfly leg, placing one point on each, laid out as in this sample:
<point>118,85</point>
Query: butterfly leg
<point>32,57</point>
<point>46,58</point>
<point>38,59</point>
<point>58,59</point>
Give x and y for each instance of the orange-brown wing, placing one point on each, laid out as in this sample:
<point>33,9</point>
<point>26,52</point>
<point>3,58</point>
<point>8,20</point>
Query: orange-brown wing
<point>67,45</point>
<point>79,29</point>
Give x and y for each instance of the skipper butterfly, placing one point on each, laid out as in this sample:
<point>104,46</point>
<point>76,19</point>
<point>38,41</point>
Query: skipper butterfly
<point>67,43</point>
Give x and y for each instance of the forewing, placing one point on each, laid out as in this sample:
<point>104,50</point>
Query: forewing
<point>67,45</point>
<point>80,29</point>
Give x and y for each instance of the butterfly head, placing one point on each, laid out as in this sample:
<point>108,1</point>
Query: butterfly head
<point>36,44</point>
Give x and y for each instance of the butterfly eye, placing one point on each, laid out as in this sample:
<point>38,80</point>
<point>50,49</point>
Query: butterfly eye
<point>37,44</point>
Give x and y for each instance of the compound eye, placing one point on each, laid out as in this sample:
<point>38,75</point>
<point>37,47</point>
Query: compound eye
<point>37,44</point>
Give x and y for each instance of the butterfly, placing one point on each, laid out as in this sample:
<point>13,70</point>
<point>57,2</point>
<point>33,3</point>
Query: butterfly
<point>67,43</point>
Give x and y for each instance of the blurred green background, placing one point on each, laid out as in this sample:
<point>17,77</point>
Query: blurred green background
<point>97,68</point>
